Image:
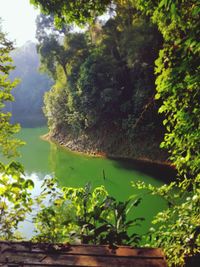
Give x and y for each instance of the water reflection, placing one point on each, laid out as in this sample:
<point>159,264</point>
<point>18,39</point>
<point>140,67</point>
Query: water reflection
<point>27,228</point>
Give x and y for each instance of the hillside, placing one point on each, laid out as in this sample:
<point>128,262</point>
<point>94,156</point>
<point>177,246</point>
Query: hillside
<point>27,108</point>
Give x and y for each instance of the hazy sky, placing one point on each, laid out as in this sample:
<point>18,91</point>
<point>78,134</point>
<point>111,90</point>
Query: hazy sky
<point>18,20</point>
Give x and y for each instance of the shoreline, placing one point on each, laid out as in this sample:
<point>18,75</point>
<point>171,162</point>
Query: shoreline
<point>94,154</point>
<point>46,137</point>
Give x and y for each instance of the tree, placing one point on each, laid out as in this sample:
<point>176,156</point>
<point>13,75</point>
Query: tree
<point>61,101</point>
<point>105,77</point>
<point>8,144</point>
<point>71,11</point>
<point>15,199</point>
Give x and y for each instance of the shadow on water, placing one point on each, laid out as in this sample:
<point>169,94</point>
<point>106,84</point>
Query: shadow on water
<point>162,172</point>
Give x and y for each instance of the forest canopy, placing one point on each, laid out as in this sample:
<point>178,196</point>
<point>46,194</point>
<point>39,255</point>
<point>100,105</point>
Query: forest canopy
<point>104,79</point>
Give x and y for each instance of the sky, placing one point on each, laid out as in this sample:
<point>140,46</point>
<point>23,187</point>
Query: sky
<point>18,20</point>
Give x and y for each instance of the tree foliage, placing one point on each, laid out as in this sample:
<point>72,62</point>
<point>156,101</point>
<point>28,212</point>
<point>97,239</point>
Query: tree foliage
<point>104,76</point>
<point>71,11</point>
<point>15,199</point>
<point>8,143</point>
<point>176,228</point>
<point>178,79</point>
<point>178,86</point>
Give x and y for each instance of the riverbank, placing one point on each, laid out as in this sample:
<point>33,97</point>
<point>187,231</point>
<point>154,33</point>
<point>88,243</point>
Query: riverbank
<point>70,145</point>
<point>140,160</point>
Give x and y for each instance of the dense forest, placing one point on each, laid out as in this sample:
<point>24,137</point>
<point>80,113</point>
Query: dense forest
<point>110,80</point>
<point>104,84</point>
<point>30,89</point>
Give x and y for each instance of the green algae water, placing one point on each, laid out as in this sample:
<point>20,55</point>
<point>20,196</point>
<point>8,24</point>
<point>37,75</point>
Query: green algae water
<point>41,158</point>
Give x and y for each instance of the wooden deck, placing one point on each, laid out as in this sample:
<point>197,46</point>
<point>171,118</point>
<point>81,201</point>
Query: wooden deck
<point>13,254</point>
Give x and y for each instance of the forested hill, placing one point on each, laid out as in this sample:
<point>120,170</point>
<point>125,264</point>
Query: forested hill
<point>104,85</point>
<point>27,108</point>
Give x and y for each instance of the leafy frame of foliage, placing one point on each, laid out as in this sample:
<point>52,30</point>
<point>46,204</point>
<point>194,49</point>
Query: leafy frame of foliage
<point>15,197</point>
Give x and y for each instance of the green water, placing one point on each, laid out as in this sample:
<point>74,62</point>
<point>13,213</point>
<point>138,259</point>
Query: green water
<point>42,158</point>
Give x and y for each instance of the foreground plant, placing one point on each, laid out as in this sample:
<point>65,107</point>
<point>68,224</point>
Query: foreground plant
<point>86,216</point>
<point>15,199</point>
<point>177,228</point>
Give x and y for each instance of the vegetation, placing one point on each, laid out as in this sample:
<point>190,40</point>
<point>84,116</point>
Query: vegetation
<point>177,86</point>
<point>113,62</point>
<point>96,217</point>
<point>104,81</point>
<point>86,216</point>
<point>15,199</point>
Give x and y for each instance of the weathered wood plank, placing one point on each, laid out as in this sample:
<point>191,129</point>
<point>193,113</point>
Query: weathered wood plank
<point>88,261</point>
<point>29,254</point>
<point>83,249</point>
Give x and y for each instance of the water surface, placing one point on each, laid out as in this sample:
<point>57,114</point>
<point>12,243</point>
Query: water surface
<point>42,158</point>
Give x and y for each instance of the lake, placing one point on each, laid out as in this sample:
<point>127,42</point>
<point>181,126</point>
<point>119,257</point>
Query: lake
<point>42,158</point>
